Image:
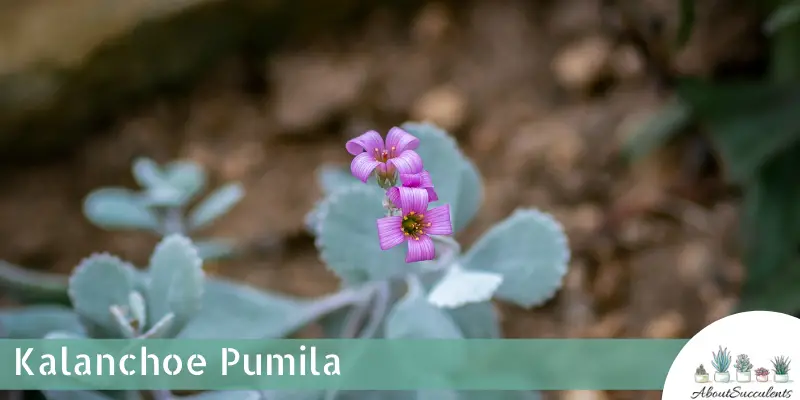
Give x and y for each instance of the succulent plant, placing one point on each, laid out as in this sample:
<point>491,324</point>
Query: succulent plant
<point>721,360</point>
<point>743,363</point>
<point>701,370</point>
<point>762,372</point>
<point>781,365</point>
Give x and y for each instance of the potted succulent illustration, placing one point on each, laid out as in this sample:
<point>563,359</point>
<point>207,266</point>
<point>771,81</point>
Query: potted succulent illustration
<point>780,365</point>
<point>700,374</point>
<point>721,361</point>
<point>762,374</point>
<point>743,368</point>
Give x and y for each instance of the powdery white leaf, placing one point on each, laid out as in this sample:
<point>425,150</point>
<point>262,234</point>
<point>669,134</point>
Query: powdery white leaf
<point>138,307</point>
<point>34,322</point>
<point>186,176</point>
<point>147,173</point>
<point>413,317</point>
<point>332,178</point>
<point>455,179</point>
<point>530,250</point>
<point>477,320</point>
<point>160,329</point>
<point>230,308</point>
<point>227,395</point>
<point>348,237</point>
<point>176,282</point>
<point>215,205</point>
<point>122,322</point>
<point>97,283</point>
<point>74,395</point>
<point>113,208</point>
<point>215,249</point>
<point>59,335</point>
<point>459,287</point>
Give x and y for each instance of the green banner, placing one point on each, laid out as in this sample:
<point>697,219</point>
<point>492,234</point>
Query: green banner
<point>509,364</point>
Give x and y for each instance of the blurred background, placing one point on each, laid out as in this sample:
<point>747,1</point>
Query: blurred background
<point>544,95</point>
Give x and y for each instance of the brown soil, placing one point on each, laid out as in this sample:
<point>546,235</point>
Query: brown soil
<point>540,94</point>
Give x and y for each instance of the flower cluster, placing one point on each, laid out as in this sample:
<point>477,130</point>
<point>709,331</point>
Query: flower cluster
<point>408,218</point>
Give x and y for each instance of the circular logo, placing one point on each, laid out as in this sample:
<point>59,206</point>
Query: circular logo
<point>747,355</point>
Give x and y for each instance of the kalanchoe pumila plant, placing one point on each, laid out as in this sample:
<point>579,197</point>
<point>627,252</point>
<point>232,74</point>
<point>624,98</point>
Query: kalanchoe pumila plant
<point>160,206</point>
<point>762,372</point>
<point>447,291</point>
<point>743,363</point>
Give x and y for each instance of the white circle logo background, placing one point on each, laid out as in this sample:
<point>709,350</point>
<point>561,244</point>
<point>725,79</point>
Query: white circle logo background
<point>762,335</point>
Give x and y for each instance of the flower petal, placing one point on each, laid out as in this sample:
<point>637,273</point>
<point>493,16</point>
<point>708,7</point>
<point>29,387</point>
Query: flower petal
<point>411,180</point>
<point>363,165</point>
<point>393,194</point>
<point>408,162</point>
<point>439,218</point>
<point>400,140</point>
<point>420,249</point>
<point>368,142</point>
<point>432,196</point>
<point>425,179</point>
<point>413,199</point>
<point>390,232</point>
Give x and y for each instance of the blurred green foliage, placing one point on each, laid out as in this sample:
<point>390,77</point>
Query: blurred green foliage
<point>755,129</point>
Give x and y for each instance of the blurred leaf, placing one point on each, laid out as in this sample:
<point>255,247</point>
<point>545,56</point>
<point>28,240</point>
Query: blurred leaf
<point>413,317</point>
<point>348,237</point>
<point>147,173</point>
<point>772,228</point>
<point>687,20</point>
<point>232,310</point>
<point>34,322</point>
<point>530,250</point>
<point>99,282</point>
<point>113,208</point>
<point>455,179</point>
<point>332,178</point>
<point>295,395</point>
<point>33,286</point>
<point>163,329</point>
<point>333,323</point>
<point>75,395</point>
<point>784,16</point>
<point>215,249</point>
<point>477,320</point>
<point>671,120</point>
<point>227,395</point>
<point>459,287</point>
<point>749,123</point>
<point>216,205</point>
<point>176,282</point>
<point>442,394</point>
<point>63,335</point>
<point>138,308</point>
<point>499,395</point>
<point>163,196</point>
<point>186,176</point>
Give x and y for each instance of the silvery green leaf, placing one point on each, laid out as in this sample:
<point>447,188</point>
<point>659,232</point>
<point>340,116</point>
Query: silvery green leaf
<point>250,313</point>
<point>332,178</point>
<point>348,238</point>
<point>455,178</point>
<point>313,218</point>
<point>163,196</point>
<point>74,395</point>
<point>112,208</point>
<point>294,395</point>
<point>470,196</point>
<point>459,287</point>
<point>29,286</point>
<point>499,395</point>
<point>477,320</point>
<point>186,176</point>
<point>228,395</point>
<point>97,283</point>
<point>215,205</point>
<point>138,308</point>
<point>215,249</point>
<point>147,173</point>
<point>377,395</point>
<point>442,394</point>
<point>530,250</point>
<point>176,282</point>
<point>34,322</point>
<point>413,317</point>
<point>122,321</point>
<point>59,335</point>
<point>161,329</point>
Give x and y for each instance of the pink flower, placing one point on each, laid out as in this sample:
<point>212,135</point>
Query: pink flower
<point>420,180</point>
<point>415,225</point>
<point>396,155</point>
